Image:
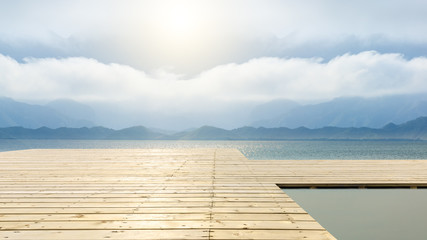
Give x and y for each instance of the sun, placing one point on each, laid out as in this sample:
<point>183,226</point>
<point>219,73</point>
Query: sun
<point>178,20</point>
<point>177,32</point>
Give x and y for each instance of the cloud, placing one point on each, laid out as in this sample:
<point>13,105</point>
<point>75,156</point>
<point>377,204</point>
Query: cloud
<point>364,74</point>
<point>136,33</point>
<point>262,79</point>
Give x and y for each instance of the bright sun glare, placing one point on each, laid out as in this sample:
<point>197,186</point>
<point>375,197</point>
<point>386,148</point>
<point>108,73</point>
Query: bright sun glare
<point>179,21</point>
<point>180,30</point>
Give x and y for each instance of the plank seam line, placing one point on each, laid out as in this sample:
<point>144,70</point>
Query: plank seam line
<point>212,195</point>
<point>151,229</point>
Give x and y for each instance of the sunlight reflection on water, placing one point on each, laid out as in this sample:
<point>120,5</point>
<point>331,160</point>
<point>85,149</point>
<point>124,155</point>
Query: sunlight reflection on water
<point>254,149</point>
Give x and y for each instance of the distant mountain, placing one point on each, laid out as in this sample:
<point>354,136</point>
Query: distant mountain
<point>73,109</point>
<point>350,112</point>
<point>414,129</point>
<point>59,133</point>
<point>208,133</point>
<point>135,133</point>
<point>411,130</point>
<point>272,110</point>
<point>341,112</point>
<point>99,133</point>
<point>13,113</point>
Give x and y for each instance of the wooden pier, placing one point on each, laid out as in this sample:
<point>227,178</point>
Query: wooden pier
<point>174,193</point>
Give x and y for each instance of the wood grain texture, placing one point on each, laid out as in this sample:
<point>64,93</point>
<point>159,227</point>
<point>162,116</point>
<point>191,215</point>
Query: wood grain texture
<point>173,193</point>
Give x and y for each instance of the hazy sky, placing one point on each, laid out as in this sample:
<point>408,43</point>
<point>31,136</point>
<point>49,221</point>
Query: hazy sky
<point>201,55</point>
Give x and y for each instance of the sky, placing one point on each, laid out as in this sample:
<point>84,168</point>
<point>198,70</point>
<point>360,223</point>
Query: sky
<point>199,57</point>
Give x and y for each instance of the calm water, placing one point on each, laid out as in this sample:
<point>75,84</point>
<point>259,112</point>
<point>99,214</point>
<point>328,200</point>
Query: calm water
<point>349,214</point>
<point>378,214</point>
<point>254,149</point>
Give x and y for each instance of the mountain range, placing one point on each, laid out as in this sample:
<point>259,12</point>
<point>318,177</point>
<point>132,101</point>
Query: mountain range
<point>374,112</point>
<point>60,113</point>
<point>343,112</point>
<point>411,130</point>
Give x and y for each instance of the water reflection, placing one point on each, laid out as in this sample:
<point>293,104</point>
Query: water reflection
<point>354,214</point>
<point>253,149</point>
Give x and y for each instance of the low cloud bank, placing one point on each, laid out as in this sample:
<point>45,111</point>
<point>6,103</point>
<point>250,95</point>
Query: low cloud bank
<point>365,74</point>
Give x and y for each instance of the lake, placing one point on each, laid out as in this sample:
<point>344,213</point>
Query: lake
<point>254,149</point>
<point>348,214</point>
<point>354,214</point>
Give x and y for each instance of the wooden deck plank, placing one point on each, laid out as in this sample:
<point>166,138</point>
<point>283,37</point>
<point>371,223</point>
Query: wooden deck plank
<point>141,225</point>
<point>173,193</point>
<point>270,234</point>
<point>152,217</point>
<point>188,234</point>
<point>101,217</point>
<point>76,210</point>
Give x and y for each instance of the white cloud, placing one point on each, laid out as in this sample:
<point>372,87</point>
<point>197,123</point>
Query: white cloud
<point>143,34</point>
<point>364,74</point>
<point>262,79</point>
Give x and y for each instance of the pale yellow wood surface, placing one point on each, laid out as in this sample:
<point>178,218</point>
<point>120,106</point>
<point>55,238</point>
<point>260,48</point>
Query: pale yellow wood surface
<point>173,193</point>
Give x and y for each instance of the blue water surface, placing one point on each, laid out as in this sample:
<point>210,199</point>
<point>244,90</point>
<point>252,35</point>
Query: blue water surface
<point>253,149</point>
